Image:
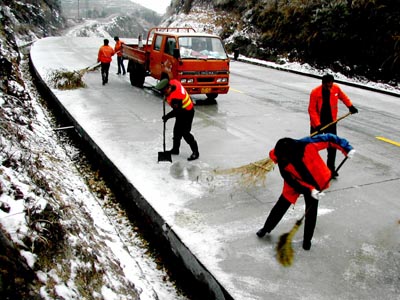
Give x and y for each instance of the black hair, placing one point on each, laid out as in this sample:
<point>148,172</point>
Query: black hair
<point>327,78</point>
<point>106,41</point>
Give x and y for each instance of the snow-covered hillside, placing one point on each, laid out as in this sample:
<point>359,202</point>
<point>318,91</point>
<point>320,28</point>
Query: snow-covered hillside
<point>63,234</point>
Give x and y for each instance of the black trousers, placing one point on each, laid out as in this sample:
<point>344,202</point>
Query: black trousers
<point>331,157</point>
<point>120,62</point>
<point>105,68</point>
<point>182,128</point>
<point>281,207</point>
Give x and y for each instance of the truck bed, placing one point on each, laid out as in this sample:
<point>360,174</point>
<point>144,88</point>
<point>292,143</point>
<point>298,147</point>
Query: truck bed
<point>132,51</point>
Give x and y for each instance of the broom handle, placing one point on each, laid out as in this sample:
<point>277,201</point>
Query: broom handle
<point>331,123</point>
<point>337,169</point>
<point>164,124</point>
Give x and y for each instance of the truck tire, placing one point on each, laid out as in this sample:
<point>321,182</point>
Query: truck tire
<point>132,72</point>
<point>212,96</point>
<point>132,77</point>
<point>136,74</point>
<point>140,75</point>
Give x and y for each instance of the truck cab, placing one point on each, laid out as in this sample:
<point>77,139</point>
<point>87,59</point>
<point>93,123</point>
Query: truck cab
<point>198,60</point>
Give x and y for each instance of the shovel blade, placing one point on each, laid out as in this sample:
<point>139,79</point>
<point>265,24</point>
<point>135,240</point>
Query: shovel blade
<point>164,156</point>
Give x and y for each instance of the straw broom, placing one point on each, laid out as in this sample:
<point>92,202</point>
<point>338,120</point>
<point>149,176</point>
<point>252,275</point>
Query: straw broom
<point>67,80</point>
<point>252,173</point>
<point>256,172</point>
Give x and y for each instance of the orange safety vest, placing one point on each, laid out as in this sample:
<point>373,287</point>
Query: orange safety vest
<point>118,47</point>
<point>180,93</point>
<point>315,105</point>
<point>105,54</point>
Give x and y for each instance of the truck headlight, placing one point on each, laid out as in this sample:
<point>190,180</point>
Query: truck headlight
<point>220,80</point>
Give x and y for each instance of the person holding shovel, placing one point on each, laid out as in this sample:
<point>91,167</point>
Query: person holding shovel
<point>104,57</point>
<point>323,109</point>
<point>304,172</point>
<point>183,112</point>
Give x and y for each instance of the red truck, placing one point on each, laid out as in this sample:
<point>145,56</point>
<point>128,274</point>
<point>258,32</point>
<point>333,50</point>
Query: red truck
<point>198,60</point>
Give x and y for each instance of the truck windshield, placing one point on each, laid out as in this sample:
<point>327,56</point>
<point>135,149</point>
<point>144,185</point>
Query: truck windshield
<point>201,48</point>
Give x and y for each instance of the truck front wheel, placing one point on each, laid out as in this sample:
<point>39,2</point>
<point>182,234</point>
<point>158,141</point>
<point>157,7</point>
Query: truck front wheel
<point>212,96</point>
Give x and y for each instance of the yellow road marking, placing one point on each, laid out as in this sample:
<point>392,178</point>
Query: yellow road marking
<point>388,141</point>
<point>231,89</point>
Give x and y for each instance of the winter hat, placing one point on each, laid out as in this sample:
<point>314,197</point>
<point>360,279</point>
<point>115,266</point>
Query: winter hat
<point>285,147</point>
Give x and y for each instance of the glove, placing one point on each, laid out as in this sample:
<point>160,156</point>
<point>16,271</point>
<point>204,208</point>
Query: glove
<point>351,153</point>
<point>165,118</point>
<point>317,195</point>
<point>353,110</point>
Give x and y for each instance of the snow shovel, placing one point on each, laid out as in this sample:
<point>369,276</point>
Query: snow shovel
<point>165,155</point>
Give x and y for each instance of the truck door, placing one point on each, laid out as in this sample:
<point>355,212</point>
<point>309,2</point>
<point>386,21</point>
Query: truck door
<point>155,57</point>
<point>167,59</point>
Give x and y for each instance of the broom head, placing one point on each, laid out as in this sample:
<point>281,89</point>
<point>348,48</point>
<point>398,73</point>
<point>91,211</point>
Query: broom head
<point>284,250</point>
<point>253,173</point>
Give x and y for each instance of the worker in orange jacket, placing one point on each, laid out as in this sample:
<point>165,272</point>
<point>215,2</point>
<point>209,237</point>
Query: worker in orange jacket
<point>183,112</point>
<point>323,109</point>
<point>304,172</point>
<point>105,57</point>
<point>118,51</point>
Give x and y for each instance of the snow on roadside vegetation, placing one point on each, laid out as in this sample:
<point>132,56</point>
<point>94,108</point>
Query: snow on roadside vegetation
<point>91,247</point>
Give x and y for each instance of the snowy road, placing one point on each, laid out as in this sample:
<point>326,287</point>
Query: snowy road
<point>355,253</point>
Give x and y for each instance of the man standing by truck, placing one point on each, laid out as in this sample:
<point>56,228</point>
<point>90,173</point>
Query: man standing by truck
<point>183,112</point>
<point>105,57</point>
<point>118,51</point>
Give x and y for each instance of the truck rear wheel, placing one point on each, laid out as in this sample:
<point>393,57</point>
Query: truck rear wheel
<point>141,74</point>
<point>136,74</point>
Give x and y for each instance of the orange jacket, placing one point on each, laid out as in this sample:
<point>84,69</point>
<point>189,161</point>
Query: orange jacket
<point>118,46</point>
<point>315,104</point>
<point>180,94</point>
<point>105,54</point>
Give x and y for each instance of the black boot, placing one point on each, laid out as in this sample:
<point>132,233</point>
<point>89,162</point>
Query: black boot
<point>261,232</point>
<point>306,245</point>
<point>195,150</point>
<point>175,147</point>
<point>193,156</point>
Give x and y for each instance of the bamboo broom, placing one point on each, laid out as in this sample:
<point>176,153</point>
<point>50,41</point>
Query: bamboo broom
<point>256,172</point>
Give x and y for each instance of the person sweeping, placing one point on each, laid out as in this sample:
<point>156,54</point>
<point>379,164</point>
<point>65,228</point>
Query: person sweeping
<point>304,172</point>
<point>323,109</point>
